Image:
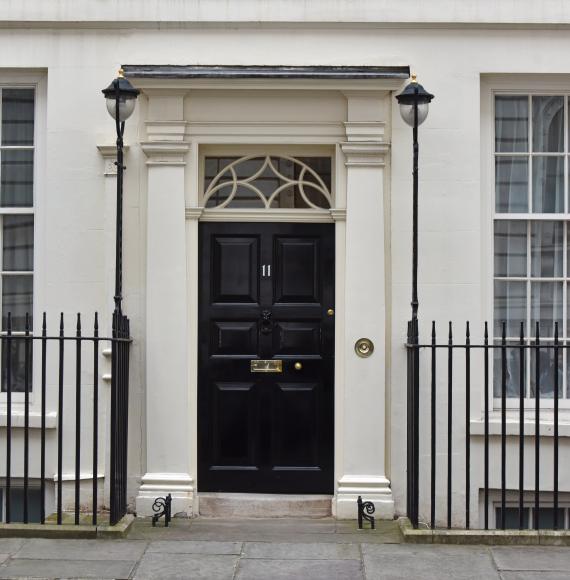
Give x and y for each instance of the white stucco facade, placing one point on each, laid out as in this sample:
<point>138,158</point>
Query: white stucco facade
<point>461,51</point>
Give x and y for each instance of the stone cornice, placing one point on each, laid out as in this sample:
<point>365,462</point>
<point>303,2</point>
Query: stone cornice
<point>165,152</point>
<point>365,153</point>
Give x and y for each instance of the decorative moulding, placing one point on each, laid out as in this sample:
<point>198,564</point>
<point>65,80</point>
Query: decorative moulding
<point>298,132</point>
<point>265,215</point>
<point>365,154</point>
<point>171,131</point>
<point>165,152</point>
<point>338,215</point>
<point>194,213</point>
<point>109,154</point>
<point>364,131</point>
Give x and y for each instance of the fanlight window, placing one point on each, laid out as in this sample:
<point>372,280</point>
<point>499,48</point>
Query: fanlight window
<point>268,182</point>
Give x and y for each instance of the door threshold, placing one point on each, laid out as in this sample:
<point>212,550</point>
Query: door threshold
<point>263,505</point>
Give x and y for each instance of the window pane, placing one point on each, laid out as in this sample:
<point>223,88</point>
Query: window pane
<point>18,240</point>
<point>510,307</point>
<point>511,184</point>
<point>17,117</point>
<point>511,124</point>
<point>17,505</point>
<point>17,293</point>
<point>548,124</point>
<point>260,178</point>
<point>546,518</point>
<point>512,518</point>
<point>546,239</point>
<point>512,372</point>
<point>17,351</point>
<point>548,184</point>
<point>510,248</point>
<point>545,307</point>
<point>16,187</point>
<point>546,373</point>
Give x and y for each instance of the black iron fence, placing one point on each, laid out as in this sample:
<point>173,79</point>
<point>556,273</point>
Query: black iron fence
<point>455,383</point>
<point>61,355</point>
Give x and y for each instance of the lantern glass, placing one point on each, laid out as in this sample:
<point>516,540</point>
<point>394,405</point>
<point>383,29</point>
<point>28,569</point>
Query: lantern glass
<point>407,113</point>
<point>126,107</point>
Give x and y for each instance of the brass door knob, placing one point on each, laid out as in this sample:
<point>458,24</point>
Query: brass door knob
<point>330,312</point>
<point>298,366</point>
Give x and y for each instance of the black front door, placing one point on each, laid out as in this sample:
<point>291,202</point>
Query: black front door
<point>266,294</point>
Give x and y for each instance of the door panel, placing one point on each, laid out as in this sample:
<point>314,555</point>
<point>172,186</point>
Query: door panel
<point>264,294</point>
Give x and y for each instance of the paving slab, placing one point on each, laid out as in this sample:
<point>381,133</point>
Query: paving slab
<point>304,551</point>
<point>393,562</point>
<point>82,549</point>
<point>26,568</point>
<point>257,569</point>
<point>11,545</point>
<point>532,558</point>
<point>534,576</point>
<point>195,566</point>
<point>194,547</point>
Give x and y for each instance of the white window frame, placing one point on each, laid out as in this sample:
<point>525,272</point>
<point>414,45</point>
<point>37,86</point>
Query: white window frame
<point>37,82</point>
<point>523,85</point>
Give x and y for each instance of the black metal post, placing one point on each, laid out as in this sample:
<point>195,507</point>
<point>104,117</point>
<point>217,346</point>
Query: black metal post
<point>120,128</point>
<point>413,339</point>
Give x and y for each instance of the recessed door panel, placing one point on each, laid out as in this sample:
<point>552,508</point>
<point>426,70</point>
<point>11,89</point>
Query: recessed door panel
<point>297,338</point>
<point>236,262</point>
<point>297,269</point>
<point>234,338</point>
<point>266,340</point>
<point>296,409</point>
<point>233,426</point>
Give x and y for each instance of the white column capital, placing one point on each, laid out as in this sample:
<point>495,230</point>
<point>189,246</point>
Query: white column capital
<point>165,152</point>
<point>365,153</point>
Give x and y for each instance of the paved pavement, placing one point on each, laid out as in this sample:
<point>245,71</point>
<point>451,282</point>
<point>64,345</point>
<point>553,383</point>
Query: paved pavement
<point>215,549</point>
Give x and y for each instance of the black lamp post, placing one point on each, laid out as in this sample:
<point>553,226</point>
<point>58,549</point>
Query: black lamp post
<point>414,103</point>
<point>121,98</point>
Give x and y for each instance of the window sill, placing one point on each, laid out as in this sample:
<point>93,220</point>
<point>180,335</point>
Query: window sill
<point>35,419</point>
<point>512,430</point>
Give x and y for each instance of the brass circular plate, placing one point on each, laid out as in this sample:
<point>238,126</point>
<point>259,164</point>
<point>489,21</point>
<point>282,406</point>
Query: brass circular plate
<point>364,347</point>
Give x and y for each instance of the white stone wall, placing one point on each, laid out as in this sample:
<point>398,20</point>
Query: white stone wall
<point>75,257</point>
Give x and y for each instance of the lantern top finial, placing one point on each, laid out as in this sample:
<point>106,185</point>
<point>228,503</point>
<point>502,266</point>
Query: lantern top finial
<point>121,73</point>
<point>414,78</point>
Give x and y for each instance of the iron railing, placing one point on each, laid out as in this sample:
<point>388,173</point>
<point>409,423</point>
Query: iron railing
<point>508,377</point>
<point>17,377</point>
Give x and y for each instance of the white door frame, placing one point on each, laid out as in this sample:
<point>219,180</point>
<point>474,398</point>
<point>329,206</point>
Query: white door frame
<point>359,148</point>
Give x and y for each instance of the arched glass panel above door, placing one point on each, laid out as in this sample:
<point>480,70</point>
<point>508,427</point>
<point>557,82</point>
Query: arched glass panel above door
<point>267,182</point>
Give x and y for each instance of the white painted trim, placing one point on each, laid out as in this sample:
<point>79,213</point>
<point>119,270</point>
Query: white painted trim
<point>35,418</point>
<point>263,215</point>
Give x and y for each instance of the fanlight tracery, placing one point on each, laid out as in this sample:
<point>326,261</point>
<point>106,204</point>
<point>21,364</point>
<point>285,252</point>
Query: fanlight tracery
<point>268,182</point>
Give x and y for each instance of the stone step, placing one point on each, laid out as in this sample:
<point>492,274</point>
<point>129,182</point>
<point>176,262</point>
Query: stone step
<point>253,505</point>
